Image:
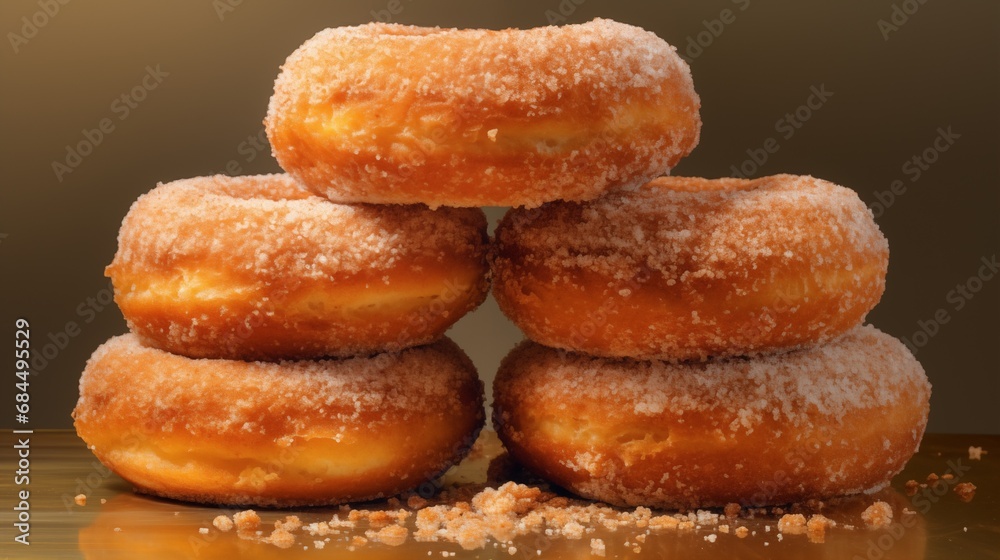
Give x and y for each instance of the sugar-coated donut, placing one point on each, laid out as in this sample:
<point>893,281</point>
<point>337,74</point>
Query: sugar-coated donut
<point>260,268</point>
<point>834,419</point>
<point>686,268</point>
<point>278,434</point>
<point>388,113</point>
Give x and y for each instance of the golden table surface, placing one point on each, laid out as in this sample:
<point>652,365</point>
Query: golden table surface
<point>132,526</point>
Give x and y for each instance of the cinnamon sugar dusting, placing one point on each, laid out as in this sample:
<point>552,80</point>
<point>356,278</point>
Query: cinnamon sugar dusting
<point>542,96</point>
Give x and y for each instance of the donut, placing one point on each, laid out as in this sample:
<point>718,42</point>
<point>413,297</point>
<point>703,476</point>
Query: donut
<point>291,433</point>
<point>386,113</point>
<point>687,268</point>
<point>259,268</point>
<point>835,419</point>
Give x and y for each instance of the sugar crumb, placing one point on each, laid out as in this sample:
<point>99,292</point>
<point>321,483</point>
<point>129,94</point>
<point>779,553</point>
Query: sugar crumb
<point>877,515</point>
<point>965,491</point>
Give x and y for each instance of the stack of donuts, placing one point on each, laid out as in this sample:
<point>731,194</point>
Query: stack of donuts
<point>692,342</point>
<point>285,350</point>
<point>698,342</point>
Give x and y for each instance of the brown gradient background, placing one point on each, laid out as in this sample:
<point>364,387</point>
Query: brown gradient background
<point>940,69</point>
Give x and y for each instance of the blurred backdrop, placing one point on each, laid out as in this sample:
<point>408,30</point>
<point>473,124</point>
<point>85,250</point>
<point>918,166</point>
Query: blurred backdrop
<point>896,99</point>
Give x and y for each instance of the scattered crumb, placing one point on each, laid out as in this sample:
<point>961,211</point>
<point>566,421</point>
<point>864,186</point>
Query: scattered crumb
<point>416,502</point>
<point>223,523</point>
<point>289,523</point>
<point>118,529</point>
<point>281,538</point>
<point>965,490</point>
<point>792,523</point>
<point>724,529</point>
<point>203,530</point>
<point>573,530</point>
<point>732,510</point>
<point>711,537</point>
<point>976,453</point>
<point>246,521</point>
<point>103,501</point>
<point>663,522</point>
<point>742,532</point>
<point>947,476</point>
<point>80,499</point>
<point>597,547</point>
<point>877,515</point>
<point>359,541</point>
<point>911,487</point>
<point>319,545</point>
<point>908,511</point>
<point>932,478</point>
<point>392,535</point>
<point>816,528</point>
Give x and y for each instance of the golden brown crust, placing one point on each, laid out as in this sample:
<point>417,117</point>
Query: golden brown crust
<point>278,434</point>
<point>840,418</point>
<point>397,114</point>
<point>260,268</point>
<point>687,268</point>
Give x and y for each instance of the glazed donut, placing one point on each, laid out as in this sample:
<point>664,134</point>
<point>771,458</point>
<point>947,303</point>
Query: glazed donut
<point>834,419</point>
<point>686,268</point>
<point>278,434</point>
<point>398,114</point>
<point>260,268</point>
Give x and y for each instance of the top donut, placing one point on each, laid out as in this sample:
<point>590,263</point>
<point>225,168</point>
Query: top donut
<point>394,114</point>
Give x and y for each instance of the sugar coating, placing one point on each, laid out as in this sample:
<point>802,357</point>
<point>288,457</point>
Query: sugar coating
<point>518,116</point>
<point>709,430</point>
<point>825,381</point>
<point>259,268</point>
<point>735,267</point>
<point>270,228</point>
<point>409,383</point>
<point>269,434</point>
<point>684,228</point>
